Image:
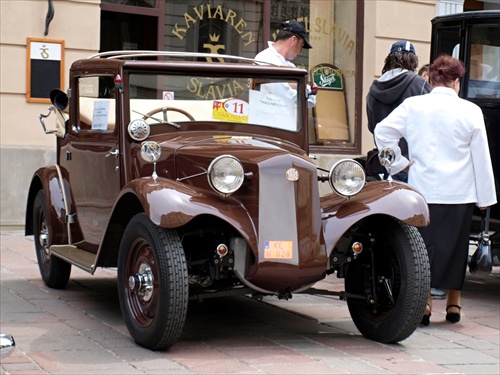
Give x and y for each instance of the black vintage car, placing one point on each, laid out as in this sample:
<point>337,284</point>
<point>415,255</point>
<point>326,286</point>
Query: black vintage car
<point>474,38</point>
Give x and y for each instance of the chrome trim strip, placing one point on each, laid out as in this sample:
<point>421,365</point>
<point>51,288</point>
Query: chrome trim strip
<point>61,181</point>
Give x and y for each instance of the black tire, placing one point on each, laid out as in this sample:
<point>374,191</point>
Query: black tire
<point>155,318</point>
<point>400,257</point>
<point>55,271</point>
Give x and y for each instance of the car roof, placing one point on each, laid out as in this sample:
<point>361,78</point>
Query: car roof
<point>184,61</point>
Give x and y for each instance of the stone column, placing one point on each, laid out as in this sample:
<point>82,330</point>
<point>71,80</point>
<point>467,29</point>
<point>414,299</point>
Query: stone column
<point>444,7</point>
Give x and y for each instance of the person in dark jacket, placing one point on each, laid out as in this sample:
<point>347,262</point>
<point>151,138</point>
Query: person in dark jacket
<point>398,82</point>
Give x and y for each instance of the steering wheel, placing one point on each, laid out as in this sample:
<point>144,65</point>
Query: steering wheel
<point>165,110</point>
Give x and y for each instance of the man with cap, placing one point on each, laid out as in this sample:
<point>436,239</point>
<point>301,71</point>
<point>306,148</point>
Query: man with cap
<point>290,41</point>
<point>398,82</point>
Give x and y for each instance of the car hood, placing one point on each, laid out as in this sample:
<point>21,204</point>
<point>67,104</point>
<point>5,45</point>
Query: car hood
<point>191,155</point>
<point>231,142</point>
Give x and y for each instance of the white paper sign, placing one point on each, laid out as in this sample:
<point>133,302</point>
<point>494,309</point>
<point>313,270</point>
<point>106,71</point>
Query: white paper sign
<point>45,51</point>
<point>272,110</point>
<point>100,115</point>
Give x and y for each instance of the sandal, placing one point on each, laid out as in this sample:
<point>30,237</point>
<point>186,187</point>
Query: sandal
<point>426,319</point>
<point>453,317</point>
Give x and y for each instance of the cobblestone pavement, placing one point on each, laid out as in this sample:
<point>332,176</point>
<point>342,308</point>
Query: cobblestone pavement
<point>80,330</point>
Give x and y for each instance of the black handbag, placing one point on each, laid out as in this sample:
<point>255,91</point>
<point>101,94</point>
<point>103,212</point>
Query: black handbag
<point>482,260</point>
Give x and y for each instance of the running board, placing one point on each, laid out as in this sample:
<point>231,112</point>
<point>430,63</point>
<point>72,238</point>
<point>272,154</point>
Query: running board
<point>78,257</point>
<point>343,296</point>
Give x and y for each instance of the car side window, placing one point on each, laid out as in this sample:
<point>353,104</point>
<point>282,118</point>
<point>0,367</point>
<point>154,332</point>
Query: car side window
<point>484,67</point>
<point>96,104</point>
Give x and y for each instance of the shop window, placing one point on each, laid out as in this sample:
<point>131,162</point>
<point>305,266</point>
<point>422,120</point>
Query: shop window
<point>243,27</point>
<point>136,3</point>
<point>332,29</point>
<point>332,32</point>
<point>282,10</point>
<point>221,27</point>
<point>127,31</point>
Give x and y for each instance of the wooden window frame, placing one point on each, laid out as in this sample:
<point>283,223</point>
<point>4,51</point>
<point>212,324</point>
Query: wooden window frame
<point>29,72</point>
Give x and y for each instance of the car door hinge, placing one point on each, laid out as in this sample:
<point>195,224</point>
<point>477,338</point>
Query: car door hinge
<point>70,219</point>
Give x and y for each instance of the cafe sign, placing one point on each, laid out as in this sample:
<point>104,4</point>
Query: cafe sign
<point>327,77</point>
<point>206,11</point>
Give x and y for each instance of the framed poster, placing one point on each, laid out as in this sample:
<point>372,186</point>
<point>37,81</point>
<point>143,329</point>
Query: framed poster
<point>330,113</point>
<point>45,68</point>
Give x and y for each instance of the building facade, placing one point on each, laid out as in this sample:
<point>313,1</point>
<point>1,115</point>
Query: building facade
<point>40,39</point>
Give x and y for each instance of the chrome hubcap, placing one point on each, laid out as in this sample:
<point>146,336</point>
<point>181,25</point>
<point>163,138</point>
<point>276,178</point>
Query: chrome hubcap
<point>142,282</point>
<point>43,238</point>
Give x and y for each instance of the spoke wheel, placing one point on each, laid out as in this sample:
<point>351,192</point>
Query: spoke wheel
<point>55,272</point>
<point>394,279</point>
<point>152,283</point>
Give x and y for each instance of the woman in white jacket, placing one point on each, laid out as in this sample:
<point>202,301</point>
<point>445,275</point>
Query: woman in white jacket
<point>450,165</point>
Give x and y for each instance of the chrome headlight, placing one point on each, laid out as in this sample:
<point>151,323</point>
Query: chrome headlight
<point>150,151</point>
<point>226,174</point>
<point>347,177</point>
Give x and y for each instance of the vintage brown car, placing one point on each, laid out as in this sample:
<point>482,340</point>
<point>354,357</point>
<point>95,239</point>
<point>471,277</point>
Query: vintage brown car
<point>192,178</point>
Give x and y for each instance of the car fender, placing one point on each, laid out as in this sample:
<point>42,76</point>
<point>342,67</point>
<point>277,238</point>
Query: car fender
<point>394,199</point>
<point>172,204</point>
<point>54,182</point>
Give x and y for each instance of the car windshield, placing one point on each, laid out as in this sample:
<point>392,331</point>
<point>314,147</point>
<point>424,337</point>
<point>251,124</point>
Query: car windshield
<point>178,98</point>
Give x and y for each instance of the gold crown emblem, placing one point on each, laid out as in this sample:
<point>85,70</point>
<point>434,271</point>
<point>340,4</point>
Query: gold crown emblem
<point>214,37</point>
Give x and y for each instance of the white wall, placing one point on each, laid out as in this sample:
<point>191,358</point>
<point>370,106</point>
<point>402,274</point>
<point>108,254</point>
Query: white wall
<point>23,145</point>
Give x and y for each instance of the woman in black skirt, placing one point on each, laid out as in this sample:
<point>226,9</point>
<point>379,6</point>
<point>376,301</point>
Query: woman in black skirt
<point>450,165</point>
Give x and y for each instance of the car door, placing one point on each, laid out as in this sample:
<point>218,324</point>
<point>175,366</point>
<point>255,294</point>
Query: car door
<point>91,157</point>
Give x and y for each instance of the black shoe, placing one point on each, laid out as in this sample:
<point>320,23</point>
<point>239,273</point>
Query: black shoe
<point>426,319</point>
<point>453,317</point>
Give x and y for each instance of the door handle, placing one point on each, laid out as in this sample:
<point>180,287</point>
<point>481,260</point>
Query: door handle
<point>115,152</point>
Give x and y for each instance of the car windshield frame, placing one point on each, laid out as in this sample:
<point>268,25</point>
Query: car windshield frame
<point>264,101</point>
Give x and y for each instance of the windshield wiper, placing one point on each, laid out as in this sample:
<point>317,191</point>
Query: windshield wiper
<point>175,125</point>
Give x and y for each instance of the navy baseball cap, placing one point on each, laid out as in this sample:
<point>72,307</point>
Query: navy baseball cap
<point>402,45</point>
<point>298,29</point>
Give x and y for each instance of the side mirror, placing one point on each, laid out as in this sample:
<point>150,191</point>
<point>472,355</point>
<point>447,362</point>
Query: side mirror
<point>60,102</point>
<point>59,99</point>
<point>7,345</point>
<point>387,157</point>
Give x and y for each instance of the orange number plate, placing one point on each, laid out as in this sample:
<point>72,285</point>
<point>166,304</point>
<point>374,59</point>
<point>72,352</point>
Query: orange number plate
<point>278,249</point>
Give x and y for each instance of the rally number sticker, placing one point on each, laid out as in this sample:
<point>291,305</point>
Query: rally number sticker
<point>232,110</point>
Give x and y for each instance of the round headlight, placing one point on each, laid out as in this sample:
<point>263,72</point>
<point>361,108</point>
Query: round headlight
<point>226,174</point>
<point>347,177</point>
<point>150,151</point>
